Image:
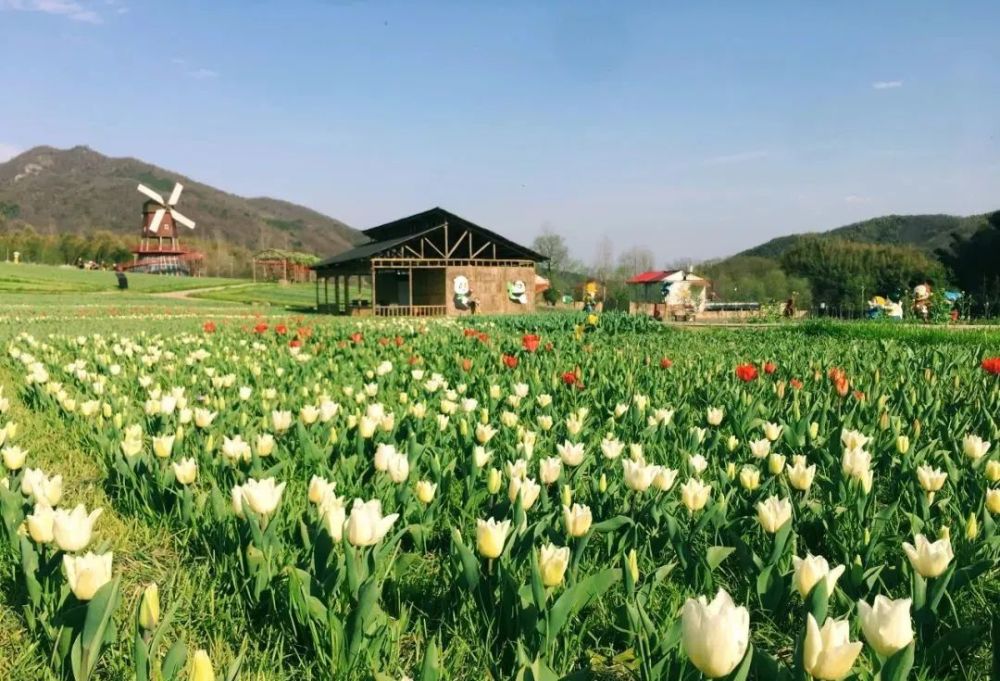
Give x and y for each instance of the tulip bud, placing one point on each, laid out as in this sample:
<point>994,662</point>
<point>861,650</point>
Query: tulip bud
<point>813,430</point>
<point>732,443</point>
<point>332,437</point>
<point>149,608</point>
<point>916,428</point>
<point>868,537</point>
<point>776,464</point>
<point>883,421</point>
<point>633,566</point>
<point>731,470</point>
<point>780,389</point>
<point>117,420</point>
<point>566,495</point>
<point>992,471</point>
<point>602,484</point>
<point>201,667</point>
<point>972,527</point>
<point>902,444</point>
<point>210,443</point>
<point>944,533</point>
<point>493,481</point>
<point>463,428</point>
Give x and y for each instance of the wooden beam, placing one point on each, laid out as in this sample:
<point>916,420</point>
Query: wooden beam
<point>409,282</point>
<point>432,245</point>
<point>455,246</point>
<point>473,256</point>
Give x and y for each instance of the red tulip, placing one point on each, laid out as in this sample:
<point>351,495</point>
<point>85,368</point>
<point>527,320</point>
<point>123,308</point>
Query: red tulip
<point>796,383</point>
<point>510,361</point>
<point>770,368</point>
<point>466,364</point>
<point>666,363</point>
<point>260,328</point>
<point>530,342</point>
<point>281,329</point>
<point>992,365</point>
<point>209,327</point>
<point>746,372</point>
<point>569,378</point>
<point>357,337</point>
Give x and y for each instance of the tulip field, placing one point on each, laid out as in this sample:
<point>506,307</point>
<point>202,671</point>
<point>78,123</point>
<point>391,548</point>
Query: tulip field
<point>229,496</point>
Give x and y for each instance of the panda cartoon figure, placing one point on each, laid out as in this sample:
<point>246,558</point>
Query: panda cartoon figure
<point>922,294</point>
<point>517,292</point>
<point>463,296</point>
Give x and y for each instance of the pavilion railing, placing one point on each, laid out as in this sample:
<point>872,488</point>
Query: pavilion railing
<point>410,310</point>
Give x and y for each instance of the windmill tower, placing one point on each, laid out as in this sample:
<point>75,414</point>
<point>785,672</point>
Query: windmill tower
<point>160,250</point>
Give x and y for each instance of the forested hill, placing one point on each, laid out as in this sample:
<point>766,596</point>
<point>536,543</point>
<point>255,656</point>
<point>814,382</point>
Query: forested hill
<point>926,232</point>
<point>80,191</point>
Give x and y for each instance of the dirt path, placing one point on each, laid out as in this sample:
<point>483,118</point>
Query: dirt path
<point>190,293</point>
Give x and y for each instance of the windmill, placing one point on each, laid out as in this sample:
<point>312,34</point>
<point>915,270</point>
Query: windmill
<point>161,216</point>
<point>160,250</point>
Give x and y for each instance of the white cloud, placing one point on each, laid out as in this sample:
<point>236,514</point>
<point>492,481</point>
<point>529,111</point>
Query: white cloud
<point>741,157</point>
<point>203,74</point>
<point>886,84</point>
<point>71,9</point>
<point>857,199</point>
<point>8,151</point>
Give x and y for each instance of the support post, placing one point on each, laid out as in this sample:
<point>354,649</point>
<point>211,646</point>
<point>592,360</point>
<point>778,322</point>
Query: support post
<point>409,283</point>
<point>317,294</point>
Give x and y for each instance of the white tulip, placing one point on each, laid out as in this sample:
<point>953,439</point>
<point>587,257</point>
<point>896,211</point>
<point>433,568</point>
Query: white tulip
<point>714,416</point>
<point>810,570</point>
<point>549,470</point>
<point>695,494</point>
<point>570,453</point>
<point>577,519</point>
<point>490,537</point>
<point>829,653</point>
<point>262,496</point>
<point>887,626</point>
<point>929,559</point>
<point>366,525</point>
<point>87,573</point>
<point>40,524</point>
<point>638,476</point>
<point>773,513</point>
<point>528,490</point>
<point>398,468</point>
<point>760,448</point>
<point>72,530</point>
<point>552,564</point>
<point>185,471</point>
<point>14,457</point>
<point>975,447</point>
<point>715,635</point>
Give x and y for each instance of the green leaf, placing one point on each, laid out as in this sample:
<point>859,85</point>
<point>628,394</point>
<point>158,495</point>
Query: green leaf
<point>100,611</point>
<point>611,524</point>
<point>579,596</point>
<point>470,564</point>
<point>174,661</point>
<point>430,670</point>
<point>714,555</point>
<point>743,671</point>
<point>898,667</point>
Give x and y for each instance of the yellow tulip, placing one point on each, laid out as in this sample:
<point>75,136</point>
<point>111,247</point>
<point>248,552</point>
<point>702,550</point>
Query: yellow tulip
<point>552,563</point>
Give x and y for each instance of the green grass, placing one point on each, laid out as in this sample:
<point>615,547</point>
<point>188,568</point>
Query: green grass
<point>269,293</point>
<point>51,279</point>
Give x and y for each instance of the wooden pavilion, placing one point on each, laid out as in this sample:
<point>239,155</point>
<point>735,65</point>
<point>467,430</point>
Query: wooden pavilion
<point>433,263</point>
<point>274,264</point>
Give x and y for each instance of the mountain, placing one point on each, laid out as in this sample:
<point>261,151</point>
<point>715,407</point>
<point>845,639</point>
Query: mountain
<point>926,232</point>
<point>80,190</point>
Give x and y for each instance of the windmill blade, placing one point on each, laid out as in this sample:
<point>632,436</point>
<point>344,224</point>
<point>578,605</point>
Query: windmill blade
<point>154,226</point>
<point>143,189</point>
<point>175,195</point>
<point>181,219</point>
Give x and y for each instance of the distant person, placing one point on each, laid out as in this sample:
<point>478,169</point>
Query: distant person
<point>122,280</point>
<point>789,308</point>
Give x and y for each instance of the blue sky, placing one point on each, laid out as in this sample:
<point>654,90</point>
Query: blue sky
<point>696,129</point>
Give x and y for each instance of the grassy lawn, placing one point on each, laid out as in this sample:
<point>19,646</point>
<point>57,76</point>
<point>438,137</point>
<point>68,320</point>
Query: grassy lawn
<point>52,279</point>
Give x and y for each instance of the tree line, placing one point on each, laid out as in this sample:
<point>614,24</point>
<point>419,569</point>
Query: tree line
<point>834,273</point>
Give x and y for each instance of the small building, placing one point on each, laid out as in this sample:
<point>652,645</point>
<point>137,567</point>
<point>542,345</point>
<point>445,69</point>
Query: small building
<point>430,264</point>
<point>274,264</point>
<point>675,293</point>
